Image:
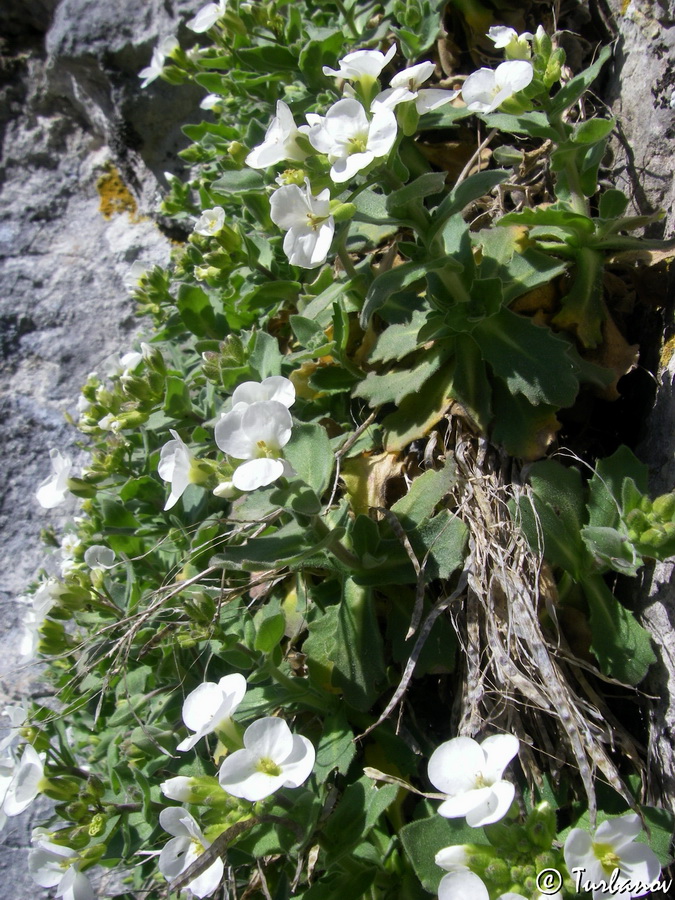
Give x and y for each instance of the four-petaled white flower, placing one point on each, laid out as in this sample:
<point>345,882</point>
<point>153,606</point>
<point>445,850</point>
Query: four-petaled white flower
<point>175,466</point>
<point>210,222</point>
<point>407,85</point>
<point>52,865</point>
<point>210,706</point>
<point>256,432</point>
<point>207,16</point>
<point>211,101</point>
<point>53,490</point>
<point>27,782</point>
<point>280,141</point>
<point>187,844</point>
<point>159,55</point>
<point>462,884</point>
<point>99,556</point>
<point>362,65</point>
<point>515,46</point>
<point>307,221</point>
<point>274,387</point>
<point>612,856</point>
<point>486,89</point>
<point>471,775</point>
<point>272,757</point>
<point>349,139</point>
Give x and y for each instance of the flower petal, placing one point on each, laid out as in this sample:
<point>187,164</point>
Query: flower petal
<point>462,885</point>
<point>230,436</point>
<point>298,765</point>
<point>208,881</point>
<point>256,473</point>
<point>499,750</point>
<point>494,807</point>
<point>75,886</point>
<point>578,849</point>
<point>639,863</point>
<point>465,803</point>
<point>269,738</point>
<point>619,832</point>
<point>454,765</point>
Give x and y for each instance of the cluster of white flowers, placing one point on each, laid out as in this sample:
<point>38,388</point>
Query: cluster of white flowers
<point>41,601</point>
<point>54,865</point>
<point>272,757</point>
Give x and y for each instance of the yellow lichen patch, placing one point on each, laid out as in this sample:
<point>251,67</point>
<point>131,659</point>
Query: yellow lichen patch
<point>115,195</point>
<point>668,351</point>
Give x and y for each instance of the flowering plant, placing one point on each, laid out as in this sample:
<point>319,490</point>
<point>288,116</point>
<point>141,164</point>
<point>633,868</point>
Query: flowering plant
<point>368,317</point>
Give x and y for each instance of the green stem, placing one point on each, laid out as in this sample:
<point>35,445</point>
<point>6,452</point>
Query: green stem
<point>303,692</point>
<point>349,19</point>
<point>336,548</point>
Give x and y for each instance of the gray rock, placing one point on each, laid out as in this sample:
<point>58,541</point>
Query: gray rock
<point>69,109</point>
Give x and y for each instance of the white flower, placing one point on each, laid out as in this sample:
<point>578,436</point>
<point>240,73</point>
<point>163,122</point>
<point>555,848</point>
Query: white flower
<point>129,361</point>
<point>211,705</point>
<point>350,141</point>
<point>471,775</point>
<point>51,865</point>
<point>307,221</point>
<point>207,16</point>
<point>187,845</point>
<point>26,784</point>
<point>486,89</point>
<point>612,850</point>
<point>462,884</point>
<point>280,141</point>
<point>274,387</point>
<point>256,432</point>
<point>211,221</point>
<point>53,490</point>
<point>272,757</point>
<point>452,858</point>
<point>362,65</point>
<point>211,101</point>
<point>175,465</point>
<point>407,85</point>
<point>17,716</point>
<point>515,45</point>
<point>99,557</point>
<point>134,275</point>
<point>159,55</point>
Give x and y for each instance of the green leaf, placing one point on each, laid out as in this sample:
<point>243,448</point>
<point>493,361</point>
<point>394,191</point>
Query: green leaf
<point>395,280</point>
<point>397,384</point>
<point>532,124</point>
<point>398,340</point>
<point>426,492</point>
<point>307,331</point>
<point>239,181</point>
<point>268,58</point>
<point>470,384</point>
<point>288,545</point>
<point>265,358</point>
<point>610,548</point>
<point>571,222</point>
<point>444,538</point>
<point>419,412</point>
<point>592,130</point>
<point>336,749</point>
<point>358,663</point>
<point>424,838</point>
<point>195,309</point>
<point>570,93</point>
<point>356,813</point>
<point>622,646</point>
<point>372,208</point>
<point>606,488</point>
<point>177,402</point>
<point>270,632</point>
<point>424,186</point>
<point>612,204</point>
<point>530,358</point>
<point>472,188</point>
<point>558,516</point>
<point>310,454</point>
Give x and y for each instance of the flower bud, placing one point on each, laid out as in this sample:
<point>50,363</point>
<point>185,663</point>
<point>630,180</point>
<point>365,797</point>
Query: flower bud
<point>204,790</point>
<point>664,507</point>
<point>540,826</point>
<point>238,152</point>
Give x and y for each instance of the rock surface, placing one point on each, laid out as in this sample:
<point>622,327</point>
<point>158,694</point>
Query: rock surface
<point>642,96</point>
<point>71,112</point>
<point>70,105</point>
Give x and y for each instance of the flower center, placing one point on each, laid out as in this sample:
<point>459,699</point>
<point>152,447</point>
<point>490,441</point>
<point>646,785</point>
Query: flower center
<point>357,144</point>
<point>315,221</point>
<point>609,860</point>
<point>268,766</point>
<point>197,847</point>
<point>481,781</point>
<point>265,451</point>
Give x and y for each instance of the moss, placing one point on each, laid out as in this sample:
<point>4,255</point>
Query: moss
<point>115,195</point>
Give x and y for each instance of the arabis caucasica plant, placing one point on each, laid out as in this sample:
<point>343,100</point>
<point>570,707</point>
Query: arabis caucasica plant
<point>307,221</point>
<point>187,845</point>
<point>54,489</point>
<point>273,757</point>
<point>210,707</point>
<point>471,775</point>
<point>612,859</point>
